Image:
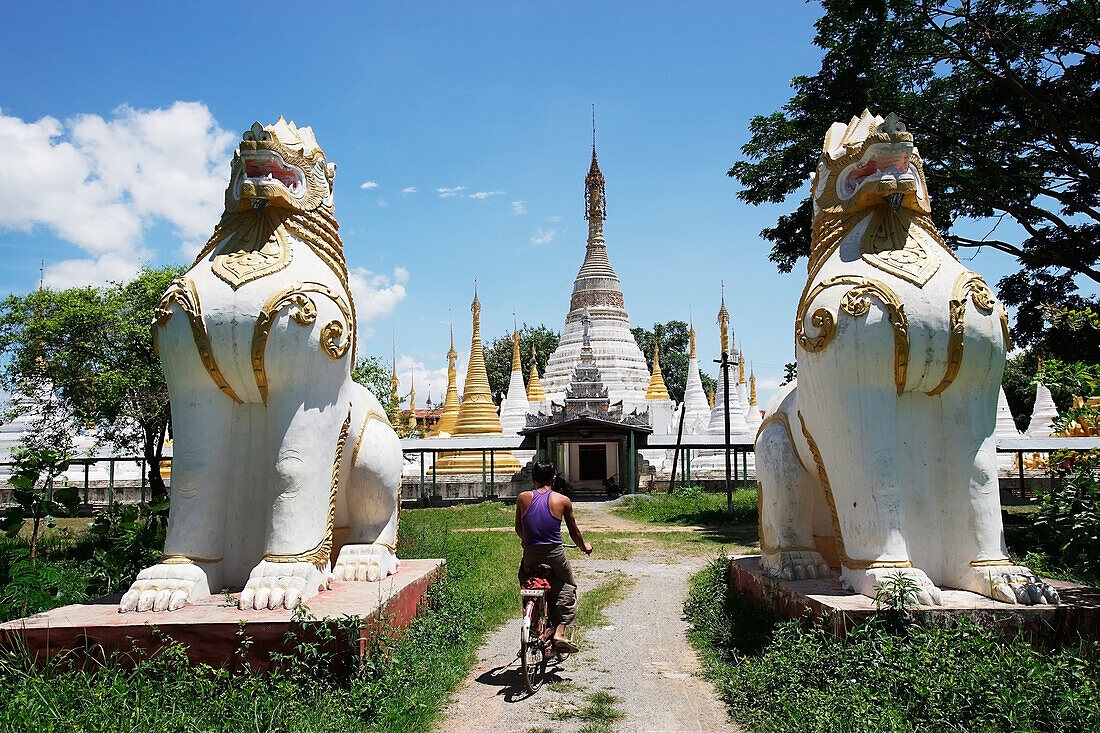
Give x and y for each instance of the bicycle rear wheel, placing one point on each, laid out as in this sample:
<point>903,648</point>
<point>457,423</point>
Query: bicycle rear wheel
<point>532,654</point>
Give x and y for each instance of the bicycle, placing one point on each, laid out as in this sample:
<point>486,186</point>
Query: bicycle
<point>536,636</point>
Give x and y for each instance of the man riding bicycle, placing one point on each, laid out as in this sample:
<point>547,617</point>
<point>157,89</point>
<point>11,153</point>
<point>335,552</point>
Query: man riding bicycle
<point>538,524</point>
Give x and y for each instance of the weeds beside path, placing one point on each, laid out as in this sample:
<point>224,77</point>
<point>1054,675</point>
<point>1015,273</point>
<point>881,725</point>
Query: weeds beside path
<point>636,670</point>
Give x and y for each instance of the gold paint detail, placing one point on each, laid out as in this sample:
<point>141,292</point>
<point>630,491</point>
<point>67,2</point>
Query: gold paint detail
<point>855,303</point>
<point>336,337</point>
<point>780,418</point>
<point>535,392</point>
<point>182,292</point>
<point>902,244</point>
<point>187,559</point>
<point>257,245</point>
<point>1004,328</point>
<point>827,489</point>
<point>967,284</point>
<point>320,554</point>
<point>1000,562</point>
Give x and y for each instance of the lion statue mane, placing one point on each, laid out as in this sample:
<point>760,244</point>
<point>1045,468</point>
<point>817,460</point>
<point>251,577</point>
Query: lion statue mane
<point>279,458</point>
<point>882,460</point>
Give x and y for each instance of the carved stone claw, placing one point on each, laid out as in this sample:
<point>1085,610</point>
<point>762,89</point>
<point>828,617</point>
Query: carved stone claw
<point>365,563</point>
<point>282,585</point>
<point>165,587</point>
<point>795,565</point>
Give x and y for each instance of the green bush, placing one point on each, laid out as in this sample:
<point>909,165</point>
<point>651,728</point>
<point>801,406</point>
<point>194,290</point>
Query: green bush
<point>1068,519</point>
<point>791,676</point>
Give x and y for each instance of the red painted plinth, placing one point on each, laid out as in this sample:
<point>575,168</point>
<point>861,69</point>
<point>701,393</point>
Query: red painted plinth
<point>840,609</point>
<point>211,627</point>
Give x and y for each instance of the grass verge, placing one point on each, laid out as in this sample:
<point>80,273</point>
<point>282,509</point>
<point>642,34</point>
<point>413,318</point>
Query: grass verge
<point>787,677</point>
<point>691,506</point>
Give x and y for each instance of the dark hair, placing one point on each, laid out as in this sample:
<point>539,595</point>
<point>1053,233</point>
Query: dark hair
<point>542,472</point>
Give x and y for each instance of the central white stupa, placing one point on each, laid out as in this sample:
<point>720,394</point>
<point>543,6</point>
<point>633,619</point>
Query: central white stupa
<point>622,367</point>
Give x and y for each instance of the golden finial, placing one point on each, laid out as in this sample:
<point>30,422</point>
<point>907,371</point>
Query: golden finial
<point>752,386</point>
<point>724,321</point>
<point>535,392</point>
<point>517,366</point>
<point>595,200</point>
<point>691,336</point>
<point>710,398</point>
<point>657,389</point>
<point>740,366</point>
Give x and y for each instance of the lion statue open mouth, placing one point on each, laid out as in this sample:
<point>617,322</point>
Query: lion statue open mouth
<point>882,460</point>
<point>279,457</point>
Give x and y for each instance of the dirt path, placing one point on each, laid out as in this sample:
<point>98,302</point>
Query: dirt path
<point>641,655</point>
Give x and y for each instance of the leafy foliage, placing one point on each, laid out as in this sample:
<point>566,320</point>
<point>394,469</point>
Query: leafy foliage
<point>1069,513</point>
<point>93,347</point>
<point>674,339</point>
<point>1002,98</point>
<point>498,356</point>
<point>791,676</point>
<point>33,495</point>
<point>372,374</point>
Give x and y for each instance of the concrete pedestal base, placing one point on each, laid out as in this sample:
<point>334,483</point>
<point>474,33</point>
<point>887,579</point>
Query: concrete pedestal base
<point>840,609</point>
<point>211,628</point>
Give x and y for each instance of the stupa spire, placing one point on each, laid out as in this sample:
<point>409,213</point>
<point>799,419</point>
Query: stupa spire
<point>395,398</point>
<point>477,415</point>
<point>535,392</point>
<point>724,321</point>
<point>517,365</point>
<point>697,414</point>
<point>657,389</point>
<point>514,407</point>
<point>451,401</point>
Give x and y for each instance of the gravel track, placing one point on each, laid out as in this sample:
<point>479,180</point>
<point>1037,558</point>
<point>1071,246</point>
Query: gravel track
<point>641,656</point>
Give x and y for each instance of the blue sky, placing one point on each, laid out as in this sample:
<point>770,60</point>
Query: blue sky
<point>117,125</point>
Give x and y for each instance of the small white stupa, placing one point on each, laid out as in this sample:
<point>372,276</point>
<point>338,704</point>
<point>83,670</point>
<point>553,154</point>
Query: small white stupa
<point>514,407</point>
<point>697,408</point>
<point>752,415</point>
<point>1043,414</point>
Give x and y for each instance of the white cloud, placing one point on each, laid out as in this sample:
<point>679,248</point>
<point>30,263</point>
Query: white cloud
<point>368,185</point>
<point>426,379</point>
<point>382,202</point>
<point>484,194</point>
<point>543,237</point>
<point>446,193</point>
<point>768,383</point>
<point>376,294</point>
<point>553,219</point>
<point>101,183</point>
<point>519,207</point>
<point>409,189</point>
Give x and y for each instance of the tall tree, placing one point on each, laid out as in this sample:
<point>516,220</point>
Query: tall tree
<point>1002,97</point>
<point>94,348</point>
<point>498,356</point>
<point>674,339</point>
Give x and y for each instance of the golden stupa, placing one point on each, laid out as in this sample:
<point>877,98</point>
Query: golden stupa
<point>535,392</point>
<point>752,387</point>
<point>477,415</point>
<point>447,418</point>
<point>657,389</point>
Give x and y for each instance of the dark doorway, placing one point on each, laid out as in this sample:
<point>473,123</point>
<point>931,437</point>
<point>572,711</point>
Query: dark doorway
<point>593,460</point>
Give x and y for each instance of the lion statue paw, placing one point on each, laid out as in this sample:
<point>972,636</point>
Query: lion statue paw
<point>1011,584</point>
<point>282,585</point>
<point>870,581</point>
<point>165,587</point>
<point>795,565</point>
<point>365,563</point>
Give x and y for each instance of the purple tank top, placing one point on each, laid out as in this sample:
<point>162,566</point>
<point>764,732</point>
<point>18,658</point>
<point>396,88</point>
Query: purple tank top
<point>540,526</point>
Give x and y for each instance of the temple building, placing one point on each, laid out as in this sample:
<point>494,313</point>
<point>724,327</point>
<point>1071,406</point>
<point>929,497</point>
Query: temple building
<point>621,363</point>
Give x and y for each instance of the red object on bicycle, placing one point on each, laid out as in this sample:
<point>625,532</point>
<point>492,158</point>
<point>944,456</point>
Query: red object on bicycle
<point>536,584</point>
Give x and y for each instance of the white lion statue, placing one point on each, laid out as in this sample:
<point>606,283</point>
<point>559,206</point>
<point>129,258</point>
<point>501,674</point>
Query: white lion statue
<point>278,454</point>
<point>883,458</point>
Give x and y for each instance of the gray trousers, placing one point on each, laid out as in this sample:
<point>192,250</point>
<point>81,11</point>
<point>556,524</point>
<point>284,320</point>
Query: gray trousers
<point>562,596</point>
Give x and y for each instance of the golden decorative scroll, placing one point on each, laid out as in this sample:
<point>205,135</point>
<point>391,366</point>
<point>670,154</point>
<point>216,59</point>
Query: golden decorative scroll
<point>856,303</point>
<point>320,554</point>
<point>1004,328</point>
<point>827,489</point>
<point>336,337</point>
<point>182,292</point>
<point>968,284</point>
<point>781,419</point>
